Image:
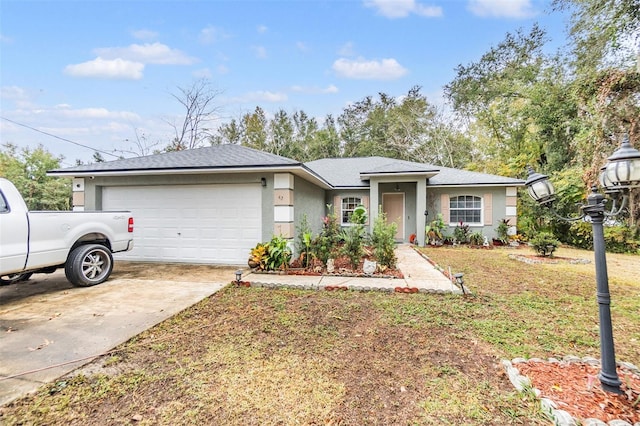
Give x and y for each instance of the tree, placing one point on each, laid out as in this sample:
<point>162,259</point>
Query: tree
<point>199,112</point>
<point>605,33</point>
<point>27,169</point>
<point>387,126</point>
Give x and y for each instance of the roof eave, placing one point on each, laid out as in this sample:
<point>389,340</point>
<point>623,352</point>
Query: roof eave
<point>447,185</point>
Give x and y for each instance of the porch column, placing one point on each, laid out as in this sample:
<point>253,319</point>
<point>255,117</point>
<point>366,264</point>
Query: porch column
<point>373,201</point>
<point>421,206</point>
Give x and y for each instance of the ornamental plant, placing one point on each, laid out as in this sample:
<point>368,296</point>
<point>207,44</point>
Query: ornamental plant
<point>383,240</point>
<point>545,243</point>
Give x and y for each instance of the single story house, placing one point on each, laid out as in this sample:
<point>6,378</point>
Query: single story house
<point>213,204</point>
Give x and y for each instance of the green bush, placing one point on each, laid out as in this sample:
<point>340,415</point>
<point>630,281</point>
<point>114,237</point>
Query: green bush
<point>353,247</point>
<point>618,238</point>
<point>278,254</point>
<point>461,233</point>
<point>544,243</point>
<point>476,239</point>
<point>383,240</point>
<point>325,245</point>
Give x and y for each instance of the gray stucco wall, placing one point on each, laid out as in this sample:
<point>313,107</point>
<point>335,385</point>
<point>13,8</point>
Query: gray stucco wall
<point>309,200</point>
<point>498,201</point>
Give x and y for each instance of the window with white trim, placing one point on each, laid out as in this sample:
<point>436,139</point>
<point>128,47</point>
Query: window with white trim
<point>466,209</point>
<point>349,204</point>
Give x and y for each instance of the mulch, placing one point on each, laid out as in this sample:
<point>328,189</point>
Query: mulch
<point>575,388</point>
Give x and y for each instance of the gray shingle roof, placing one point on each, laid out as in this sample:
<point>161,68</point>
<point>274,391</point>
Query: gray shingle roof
<point>213,157</point>
<point>449,176</point>
<point>346,172</point>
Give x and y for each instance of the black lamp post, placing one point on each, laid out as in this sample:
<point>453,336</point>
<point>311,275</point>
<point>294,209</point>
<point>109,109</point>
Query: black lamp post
<point>621,172</point>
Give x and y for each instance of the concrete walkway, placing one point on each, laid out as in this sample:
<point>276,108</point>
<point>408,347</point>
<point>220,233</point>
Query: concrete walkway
<point>418,273</point>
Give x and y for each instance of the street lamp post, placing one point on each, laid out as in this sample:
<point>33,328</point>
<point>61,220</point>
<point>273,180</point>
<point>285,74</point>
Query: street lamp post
<point>621,172</point>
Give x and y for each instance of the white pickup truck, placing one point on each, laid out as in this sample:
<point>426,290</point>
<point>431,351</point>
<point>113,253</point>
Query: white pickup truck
<point>81,242</point>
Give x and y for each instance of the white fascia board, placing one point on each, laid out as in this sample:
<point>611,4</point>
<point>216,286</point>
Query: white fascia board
<point>474,185</point>
<point>300,171</point>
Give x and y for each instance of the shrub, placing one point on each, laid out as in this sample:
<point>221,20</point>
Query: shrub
<point>278,254</point>
<point>353,247</point>
<point>618,238</point>
<point>544,243</point>
<point>304,241</point>
<point>325,245</point>
<point>461,233</point>
<point>476,239</point>
<point>503,231</point>
<point>383,240</point>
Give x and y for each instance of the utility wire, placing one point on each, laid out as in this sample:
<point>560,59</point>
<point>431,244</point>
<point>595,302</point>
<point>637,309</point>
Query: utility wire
<point>58,137</point>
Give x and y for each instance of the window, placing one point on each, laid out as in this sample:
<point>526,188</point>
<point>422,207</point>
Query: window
<point>348,206</point>
<point>465,208</point>
<point>3,205</point>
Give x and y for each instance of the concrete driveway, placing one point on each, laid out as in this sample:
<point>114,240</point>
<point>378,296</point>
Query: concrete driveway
<point>49,328</point>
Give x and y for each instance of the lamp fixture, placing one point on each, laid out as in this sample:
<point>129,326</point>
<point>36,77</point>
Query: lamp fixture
<point>619,174</point>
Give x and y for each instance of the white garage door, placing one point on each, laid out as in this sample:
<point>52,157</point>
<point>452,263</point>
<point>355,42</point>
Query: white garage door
<point>190,223</point>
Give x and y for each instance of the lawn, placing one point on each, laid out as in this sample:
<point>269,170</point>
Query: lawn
<point>262,356</point>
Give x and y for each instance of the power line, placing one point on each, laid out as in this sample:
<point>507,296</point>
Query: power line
<point>59,137</point>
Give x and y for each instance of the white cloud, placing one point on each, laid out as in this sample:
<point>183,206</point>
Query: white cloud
<point>5,39</point>
<point>260,51</point>
<point>403,8</point>
<point>301,46</point>
<point>502,8</point>
<point>65,111</point>
<point>265,96</point>
<point>262,29</point>
<point>148,53</point>
<point>315,90</point>
<point>110,69</point>
<point>202,73</point>
<point>222,69</point>
<point>211,34</point>
<point>144,34</point>
<point>361,69</point>
<point>17,95</point>
<point>347,49</point>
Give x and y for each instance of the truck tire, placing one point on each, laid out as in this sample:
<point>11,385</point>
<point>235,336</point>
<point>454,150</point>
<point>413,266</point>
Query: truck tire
<point>89,265</point>
<point>15,278</point>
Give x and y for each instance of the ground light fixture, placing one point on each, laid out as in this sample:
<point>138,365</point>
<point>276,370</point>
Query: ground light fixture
<point>238,276</point>
<point>617,177</point>
<point>460,281</point>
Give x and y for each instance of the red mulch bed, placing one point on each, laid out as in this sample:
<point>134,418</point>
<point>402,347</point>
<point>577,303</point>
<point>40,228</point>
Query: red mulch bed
<point>575,388</point>
<point>342,267</point>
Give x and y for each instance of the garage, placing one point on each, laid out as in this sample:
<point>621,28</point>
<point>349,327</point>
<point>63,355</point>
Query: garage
<point>190,223</point>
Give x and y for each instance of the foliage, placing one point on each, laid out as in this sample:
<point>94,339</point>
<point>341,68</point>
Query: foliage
<point>544,243</point>
<point>476,239</point>
<point>258,255</point>
<point>435,230</point>
<point>503,231</point>
<point>353,243</point>
<point>277,254</point>
<point>383,240</point>
<point>304,241</point>
<point>461,233</point>
<point>618,238</point>
<point>27,169</point>
<point>325,245</point>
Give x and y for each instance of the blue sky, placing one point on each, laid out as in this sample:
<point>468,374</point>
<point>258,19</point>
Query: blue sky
<point>97,72</point>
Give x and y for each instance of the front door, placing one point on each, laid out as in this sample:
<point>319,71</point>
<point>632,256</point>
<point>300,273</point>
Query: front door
<point>393,207</point>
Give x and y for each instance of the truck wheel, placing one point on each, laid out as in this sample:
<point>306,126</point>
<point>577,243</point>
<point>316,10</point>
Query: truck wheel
<point>89,265</point>
<point>15,278</point>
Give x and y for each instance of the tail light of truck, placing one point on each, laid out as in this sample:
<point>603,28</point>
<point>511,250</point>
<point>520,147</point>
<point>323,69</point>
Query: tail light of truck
<point>130,227</point>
